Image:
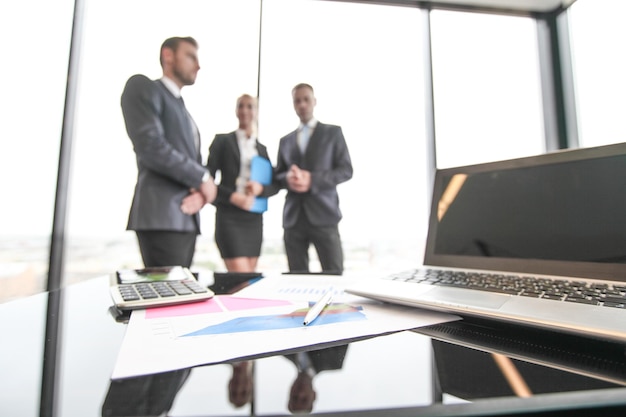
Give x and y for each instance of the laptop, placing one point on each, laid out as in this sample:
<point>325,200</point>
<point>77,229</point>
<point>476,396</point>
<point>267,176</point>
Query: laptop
<point>538,241</point>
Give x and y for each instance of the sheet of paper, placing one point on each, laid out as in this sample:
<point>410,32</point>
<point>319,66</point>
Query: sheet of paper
<point>256,322</point>
<point>294,287</point>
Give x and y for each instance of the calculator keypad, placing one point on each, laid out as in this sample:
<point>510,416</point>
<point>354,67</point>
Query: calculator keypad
<point>167,291</point>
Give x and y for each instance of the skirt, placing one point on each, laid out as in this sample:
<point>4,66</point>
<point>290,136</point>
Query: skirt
<point>238,232</point>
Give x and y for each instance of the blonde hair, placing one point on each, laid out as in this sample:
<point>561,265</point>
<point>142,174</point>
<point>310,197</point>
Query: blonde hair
<point>255,102</point>
<point>241,97</point>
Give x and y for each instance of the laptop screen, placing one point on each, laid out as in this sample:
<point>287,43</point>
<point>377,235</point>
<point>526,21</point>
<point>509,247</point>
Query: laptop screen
<point>562,213</point>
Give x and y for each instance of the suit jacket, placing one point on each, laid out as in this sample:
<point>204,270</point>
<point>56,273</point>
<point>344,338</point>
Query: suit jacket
<point>224,156</point>
<point>328,160</point>
<point>168,162</point>
<point>326,359</point>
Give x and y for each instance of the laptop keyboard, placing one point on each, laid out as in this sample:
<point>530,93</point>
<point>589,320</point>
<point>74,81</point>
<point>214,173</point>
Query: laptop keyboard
<point>581,292</point>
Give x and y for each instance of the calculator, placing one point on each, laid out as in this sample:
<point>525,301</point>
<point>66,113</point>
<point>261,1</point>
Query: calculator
<point>133,289</point>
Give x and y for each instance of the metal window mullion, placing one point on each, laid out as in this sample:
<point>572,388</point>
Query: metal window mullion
<point>557,84</point>
<point>429,102</point>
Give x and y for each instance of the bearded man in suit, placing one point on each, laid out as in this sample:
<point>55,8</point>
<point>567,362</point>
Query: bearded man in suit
<point>172,184</point>
<point>312,161</point>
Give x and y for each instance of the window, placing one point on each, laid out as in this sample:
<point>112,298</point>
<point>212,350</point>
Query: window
<point>104,169</point>
<point>34,74</point>
<point>364,62</point>
<point>487,88</point>
<point>599,66</point>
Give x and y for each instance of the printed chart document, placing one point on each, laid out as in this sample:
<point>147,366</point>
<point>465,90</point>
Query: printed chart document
<point>264,318</point>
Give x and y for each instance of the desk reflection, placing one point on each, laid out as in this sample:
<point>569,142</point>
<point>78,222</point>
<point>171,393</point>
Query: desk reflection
<point>268,385</point>
<point>302,394</point>
<point>154,395</point>
<point>241,384</point>
<point>150,395</point>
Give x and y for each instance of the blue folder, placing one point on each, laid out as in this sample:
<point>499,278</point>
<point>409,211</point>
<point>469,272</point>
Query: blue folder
<point>260,171</point>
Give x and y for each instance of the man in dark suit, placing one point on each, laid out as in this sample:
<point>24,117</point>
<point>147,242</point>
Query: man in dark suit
<point>312,161</point>
<point>167,146</point>
<point>302,394</point>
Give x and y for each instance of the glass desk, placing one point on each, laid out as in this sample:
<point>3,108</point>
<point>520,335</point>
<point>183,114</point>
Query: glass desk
<point>443,370</point>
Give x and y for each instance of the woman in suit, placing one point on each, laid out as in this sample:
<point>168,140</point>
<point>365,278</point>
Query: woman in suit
<point>238,231</point>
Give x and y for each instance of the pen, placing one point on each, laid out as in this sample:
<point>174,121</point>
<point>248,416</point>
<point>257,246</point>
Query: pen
<point>318,307</point>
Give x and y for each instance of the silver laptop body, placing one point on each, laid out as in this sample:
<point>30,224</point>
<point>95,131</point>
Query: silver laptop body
<point>558,219</point>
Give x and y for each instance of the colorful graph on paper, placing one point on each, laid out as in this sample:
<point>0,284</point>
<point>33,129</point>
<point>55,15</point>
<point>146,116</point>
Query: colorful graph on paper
<point>334,313</point>
<point>230,327</point>
<point>217,304</point>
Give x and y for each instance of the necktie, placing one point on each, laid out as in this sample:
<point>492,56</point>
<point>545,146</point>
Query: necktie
<point>192,123</point>
<point>304,365</point>
<point>304,138</point>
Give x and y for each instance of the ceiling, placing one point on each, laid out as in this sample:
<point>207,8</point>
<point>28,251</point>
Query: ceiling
<point>519,5</point>
<point>494,6</point>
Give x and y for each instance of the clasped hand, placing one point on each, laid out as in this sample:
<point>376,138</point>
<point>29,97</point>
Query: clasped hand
<point>298,180</point>
<point>245,200</point>
<point>196,199</point>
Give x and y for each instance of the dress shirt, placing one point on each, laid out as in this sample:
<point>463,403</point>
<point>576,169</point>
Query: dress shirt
<point>311,125</point>
<point>175,90</point>
<point>247,150</point>
<point>171,86</point>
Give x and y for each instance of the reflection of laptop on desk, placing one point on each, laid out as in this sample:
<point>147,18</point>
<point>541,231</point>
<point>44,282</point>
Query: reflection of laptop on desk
<point>538,241</point>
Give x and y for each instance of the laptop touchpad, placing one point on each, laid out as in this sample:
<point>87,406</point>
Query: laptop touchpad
<point>466,299</point>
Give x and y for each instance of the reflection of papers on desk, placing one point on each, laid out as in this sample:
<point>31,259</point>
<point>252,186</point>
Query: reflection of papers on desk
<point>260,171</point>
<point>249,325</point>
